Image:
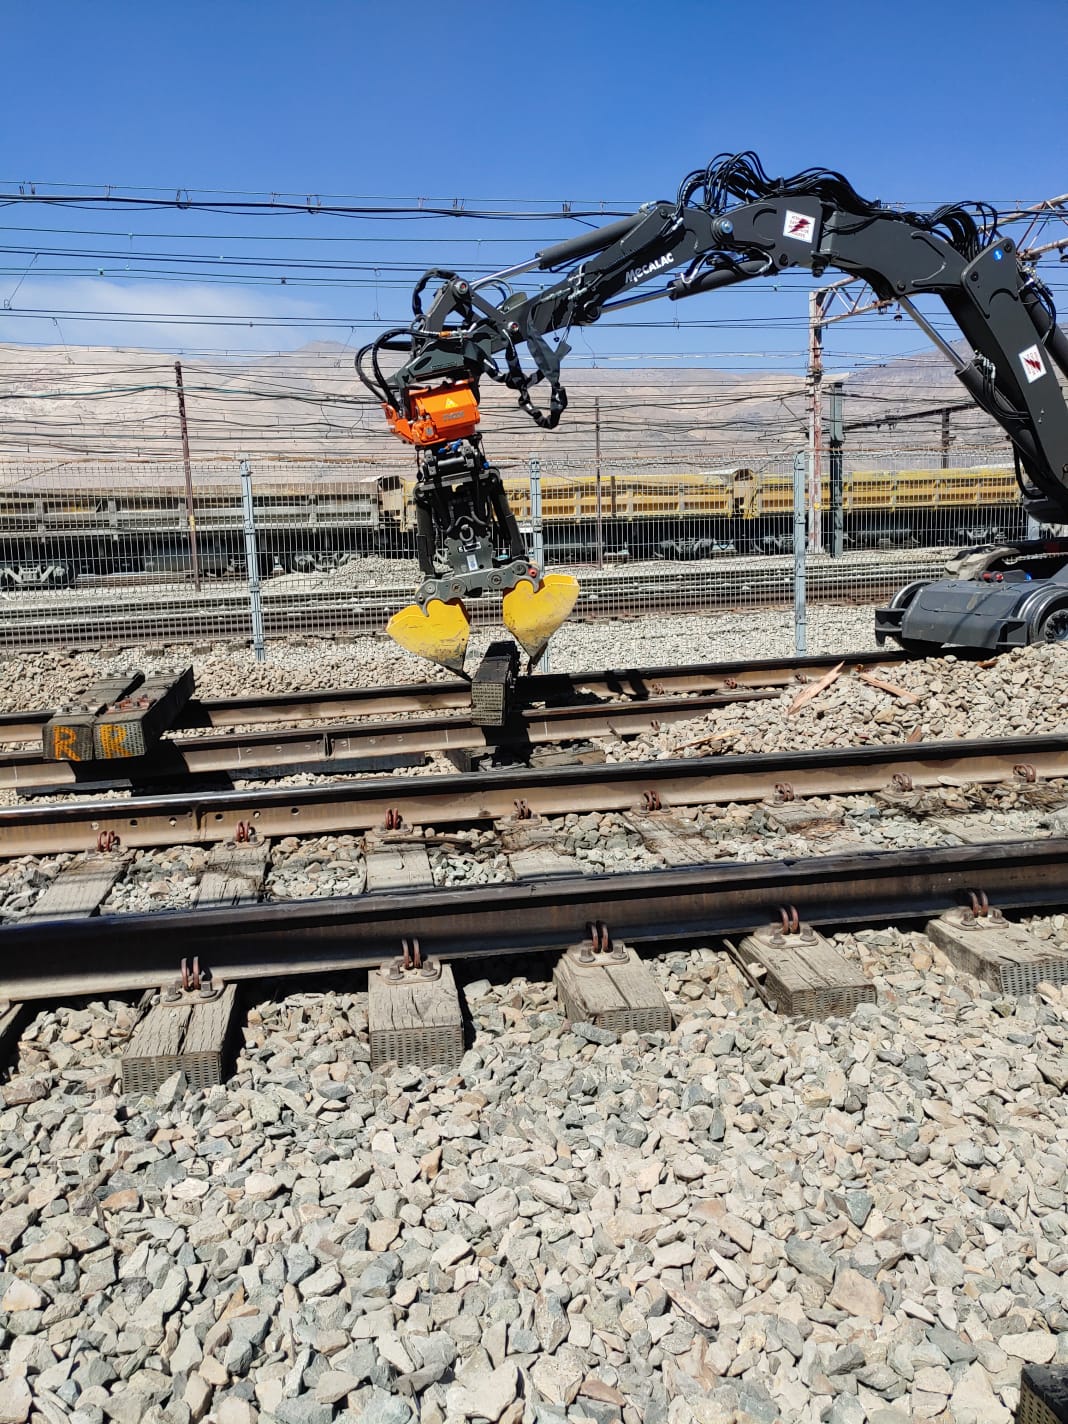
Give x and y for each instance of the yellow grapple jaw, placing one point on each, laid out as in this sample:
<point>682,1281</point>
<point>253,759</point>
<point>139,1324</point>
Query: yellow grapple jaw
<point>533,614</point>
<point>439,634</point>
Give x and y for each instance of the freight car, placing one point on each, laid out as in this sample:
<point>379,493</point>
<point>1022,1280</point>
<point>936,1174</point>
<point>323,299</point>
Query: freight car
<point>57,526</point>
<point>737,510</point>
<point>60,525</point>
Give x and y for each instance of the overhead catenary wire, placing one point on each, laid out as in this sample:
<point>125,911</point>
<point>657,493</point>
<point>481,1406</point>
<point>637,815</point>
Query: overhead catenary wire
<point>365,274</point>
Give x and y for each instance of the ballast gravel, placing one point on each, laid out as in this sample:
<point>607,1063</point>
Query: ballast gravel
<point>745,1219</point>
<point>164,879</point>
<point>315,868</point>
<point>1023,693</point>
<point>55,676</point>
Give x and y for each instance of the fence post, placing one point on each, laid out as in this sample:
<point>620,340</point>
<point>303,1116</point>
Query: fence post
<point>800,543</point>
<point>537,533</point>
<point>252,563</point>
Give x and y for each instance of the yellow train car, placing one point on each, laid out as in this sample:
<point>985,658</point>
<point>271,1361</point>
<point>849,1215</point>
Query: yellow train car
<point>104,519</point>
<point>695,513</point>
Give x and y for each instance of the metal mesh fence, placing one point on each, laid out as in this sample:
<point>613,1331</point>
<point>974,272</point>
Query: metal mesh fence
<point>108,553</point>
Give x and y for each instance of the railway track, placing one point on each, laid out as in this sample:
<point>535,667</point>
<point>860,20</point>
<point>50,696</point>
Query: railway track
<point>544,689</point>
<point>55,959</point>
<point>694,897</point>
<point>193,817</point>
<point>65,618</point>
<point>315,733</point>
<point>361,746</point>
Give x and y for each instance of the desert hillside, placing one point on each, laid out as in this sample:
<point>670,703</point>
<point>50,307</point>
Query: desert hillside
<point>120,404</point>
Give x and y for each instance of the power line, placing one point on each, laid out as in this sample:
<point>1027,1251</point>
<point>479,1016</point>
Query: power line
<point>407,210</point>
<point>378,238</point>
<point>180,195</point>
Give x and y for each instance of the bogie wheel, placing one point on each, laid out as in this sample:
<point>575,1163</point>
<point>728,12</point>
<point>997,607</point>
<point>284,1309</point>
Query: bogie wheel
<point>904,596</point>
<point>1051,627</point>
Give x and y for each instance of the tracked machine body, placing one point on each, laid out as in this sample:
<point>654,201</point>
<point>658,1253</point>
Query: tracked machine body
<point>729,223</point>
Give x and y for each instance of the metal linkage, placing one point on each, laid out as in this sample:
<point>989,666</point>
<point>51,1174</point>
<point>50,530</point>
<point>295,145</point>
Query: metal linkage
<point>598,948</point>
<point>978,913</point>
<point>192,982</point>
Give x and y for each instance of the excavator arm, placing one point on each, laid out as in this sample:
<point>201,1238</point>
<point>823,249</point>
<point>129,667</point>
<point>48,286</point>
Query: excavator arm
<point>729,223</point>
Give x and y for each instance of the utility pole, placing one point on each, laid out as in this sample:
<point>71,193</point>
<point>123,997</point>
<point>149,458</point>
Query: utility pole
<point>816,303</point>
<point>189,510</point>
<point>800,597</point>
<point>945,437</point>
<point>837,436</point>
<point>252,563</point>
<point>597,469</point>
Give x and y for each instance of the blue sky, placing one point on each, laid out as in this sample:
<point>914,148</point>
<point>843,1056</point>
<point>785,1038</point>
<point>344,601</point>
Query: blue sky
<point>585,102</point>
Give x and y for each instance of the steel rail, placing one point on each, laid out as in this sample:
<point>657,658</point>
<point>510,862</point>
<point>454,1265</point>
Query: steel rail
<point>544,689</point>
<point>351,613</point>
<point>358,805</point>
<point>701,903</point>
<point>767,570</point>
<point>360,746</point>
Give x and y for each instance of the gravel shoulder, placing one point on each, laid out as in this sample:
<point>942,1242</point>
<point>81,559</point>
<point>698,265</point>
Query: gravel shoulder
<point>747,1218</point>
<point>50,676</point>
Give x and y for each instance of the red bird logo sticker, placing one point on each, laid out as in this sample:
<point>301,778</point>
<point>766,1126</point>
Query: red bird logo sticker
<point>1033,365</point>
<point>799,226</point>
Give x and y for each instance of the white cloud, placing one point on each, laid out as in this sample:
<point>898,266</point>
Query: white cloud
<point>87,311</point>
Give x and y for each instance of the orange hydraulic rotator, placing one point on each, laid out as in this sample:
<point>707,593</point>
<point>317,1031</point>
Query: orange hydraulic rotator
<point>442,413</point>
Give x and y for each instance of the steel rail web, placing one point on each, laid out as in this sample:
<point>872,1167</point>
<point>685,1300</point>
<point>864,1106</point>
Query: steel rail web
<point>351,613</point>
<point>670,577</point>
<point>646,908</point>
<point>335,807</point>
<point>635,684</point>
<point>617,592</point>
<point>367,746</point>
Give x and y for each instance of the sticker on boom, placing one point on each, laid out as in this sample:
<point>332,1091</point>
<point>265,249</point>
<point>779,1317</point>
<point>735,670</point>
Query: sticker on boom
<point>799,226</point>
<point>1033,365</point>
